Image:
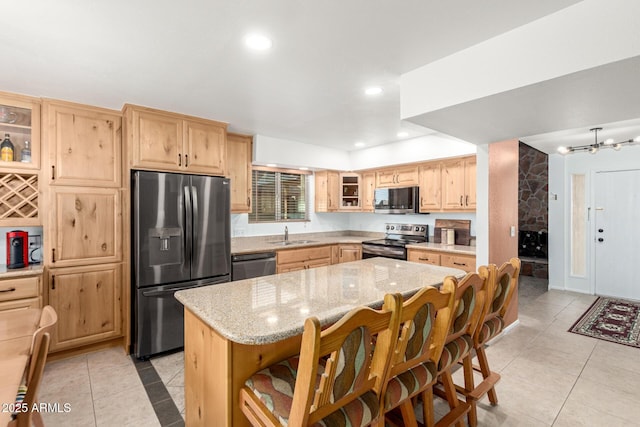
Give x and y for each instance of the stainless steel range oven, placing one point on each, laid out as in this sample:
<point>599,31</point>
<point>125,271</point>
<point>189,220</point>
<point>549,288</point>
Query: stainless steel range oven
<point>394,243</point>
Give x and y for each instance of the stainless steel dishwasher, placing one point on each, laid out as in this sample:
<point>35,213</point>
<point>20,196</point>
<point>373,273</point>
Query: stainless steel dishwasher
<point>246,266</point>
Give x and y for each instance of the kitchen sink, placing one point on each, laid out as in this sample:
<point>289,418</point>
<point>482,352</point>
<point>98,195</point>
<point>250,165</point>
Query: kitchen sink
<point>291,242</point>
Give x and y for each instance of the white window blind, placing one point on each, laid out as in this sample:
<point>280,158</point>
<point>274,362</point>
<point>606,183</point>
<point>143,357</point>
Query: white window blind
<point>278,196</point>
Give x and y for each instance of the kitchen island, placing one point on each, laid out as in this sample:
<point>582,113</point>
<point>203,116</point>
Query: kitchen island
<point>234,329</point>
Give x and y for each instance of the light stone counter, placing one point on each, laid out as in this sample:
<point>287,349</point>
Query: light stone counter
<point>456,249</point>
<point>273,308</point>
<point>31,270</point>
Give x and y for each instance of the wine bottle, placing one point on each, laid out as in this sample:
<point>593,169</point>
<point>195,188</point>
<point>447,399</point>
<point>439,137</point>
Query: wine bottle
<point>6,149</point>
<point>25,154</point>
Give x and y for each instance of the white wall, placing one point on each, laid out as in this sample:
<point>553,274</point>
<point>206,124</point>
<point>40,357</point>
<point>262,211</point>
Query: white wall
<point>424,148</point>
<point>287,153</point>
<point>560,171</point>
<point>583,36</point>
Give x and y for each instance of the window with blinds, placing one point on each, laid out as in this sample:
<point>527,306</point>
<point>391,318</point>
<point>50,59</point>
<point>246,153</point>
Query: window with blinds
<point>278,196</point>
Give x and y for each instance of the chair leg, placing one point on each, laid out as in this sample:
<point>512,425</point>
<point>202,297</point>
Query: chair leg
<point>450,392</point>
<point>408,416</point>
<point>427,407</point>
<point>486,372</point>
<point>467,366</point>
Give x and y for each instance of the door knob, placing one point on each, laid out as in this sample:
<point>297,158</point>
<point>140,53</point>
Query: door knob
<point>600,230</point>
<point>600,239</point>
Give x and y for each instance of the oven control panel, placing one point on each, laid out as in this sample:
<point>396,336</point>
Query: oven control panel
<point>407,229</point>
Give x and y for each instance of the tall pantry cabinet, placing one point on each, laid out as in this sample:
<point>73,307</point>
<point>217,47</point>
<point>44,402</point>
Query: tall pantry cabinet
<point>83,225</point>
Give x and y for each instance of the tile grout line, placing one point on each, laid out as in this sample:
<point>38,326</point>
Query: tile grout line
<point>149,365</point>
<point>93,401</point>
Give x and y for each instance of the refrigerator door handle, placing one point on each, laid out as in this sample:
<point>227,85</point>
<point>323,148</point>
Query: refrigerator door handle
<point>188,219</point>
<point>194,198</point>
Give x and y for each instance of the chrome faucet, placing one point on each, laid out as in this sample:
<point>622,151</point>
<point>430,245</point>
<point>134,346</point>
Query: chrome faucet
<point>286,233</point>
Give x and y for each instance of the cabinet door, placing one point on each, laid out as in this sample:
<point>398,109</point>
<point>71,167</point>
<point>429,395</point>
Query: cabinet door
<point>350,252</point>
<point>333,191</point>
<point>470,183</point>
<point>386,178</point>
<point>321,198</point>
<point>85,145</point>
<point>21,120</point>
<point>430,187</point>
<point>205,147</point>
<point>86,226</point>
<point>368,187</point>
<point>349,192</point>
<point>88,303</point>
<point>156,140</point>
<point>239,153</point>
<point>407,176</point>
<point>453,185</point>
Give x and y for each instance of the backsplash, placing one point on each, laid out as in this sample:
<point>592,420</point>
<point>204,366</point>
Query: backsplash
<point>35,243</point>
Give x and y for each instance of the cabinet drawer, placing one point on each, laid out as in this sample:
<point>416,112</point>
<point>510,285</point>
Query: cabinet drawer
<point>21,303</point>
<point>466,263</point>
<point>306,254</point>
<point>24,287</point>
<point>423,257</point>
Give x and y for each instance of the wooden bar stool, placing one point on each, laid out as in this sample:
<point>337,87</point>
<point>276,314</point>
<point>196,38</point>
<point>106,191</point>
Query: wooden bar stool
<point>501,284</point>
<point>337,378</point>
<point>468,309</point>
<point>424,324</point>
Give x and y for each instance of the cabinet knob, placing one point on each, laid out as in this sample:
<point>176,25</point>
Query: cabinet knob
<point>600,239</point>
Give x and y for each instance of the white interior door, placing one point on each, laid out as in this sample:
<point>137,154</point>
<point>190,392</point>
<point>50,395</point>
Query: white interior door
<point>617,234</point>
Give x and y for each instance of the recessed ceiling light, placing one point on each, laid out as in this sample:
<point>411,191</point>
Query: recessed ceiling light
<point>359,144</point>
<point>271,165</point>
<point>403,134</point>
<point>258,42</point>
<point>374,90</point>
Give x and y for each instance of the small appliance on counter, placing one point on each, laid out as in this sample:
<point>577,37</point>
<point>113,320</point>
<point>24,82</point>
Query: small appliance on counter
<point>17,249</point>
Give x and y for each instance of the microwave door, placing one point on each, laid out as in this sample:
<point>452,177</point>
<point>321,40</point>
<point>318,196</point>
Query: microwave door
<point>210,198</point>
<point>160,241</point>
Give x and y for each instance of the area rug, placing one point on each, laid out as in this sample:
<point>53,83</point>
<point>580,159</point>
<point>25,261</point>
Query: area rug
<point>611,319</point>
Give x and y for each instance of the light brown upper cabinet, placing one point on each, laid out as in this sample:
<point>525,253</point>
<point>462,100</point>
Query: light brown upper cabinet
<point>430,178</point>
<point>350,195</point>
<point>86,226</point>
<point>459,184</point>
<point>400,176</point>
<point>20,119</point>
<point>239,154</point>
<point>327,188</point>
<point>84,144</point>
<point>368,188</point>
<point>160,140</point>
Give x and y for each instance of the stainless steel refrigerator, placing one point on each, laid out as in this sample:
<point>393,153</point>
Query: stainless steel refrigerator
<point>181,239</point>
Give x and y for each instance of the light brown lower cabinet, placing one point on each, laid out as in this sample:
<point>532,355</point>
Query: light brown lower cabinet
<point>88,303</point>
<point>445,259</point>
<point>20,292</point>
<point>349,252</point>
<point>303,258</point>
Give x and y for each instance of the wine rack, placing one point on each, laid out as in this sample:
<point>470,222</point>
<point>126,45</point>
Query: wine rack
<point>19,199</point>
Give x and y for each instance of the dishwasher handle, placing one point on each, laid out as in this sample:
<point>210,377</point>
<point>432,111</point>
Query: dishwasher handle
<point>253,257</point>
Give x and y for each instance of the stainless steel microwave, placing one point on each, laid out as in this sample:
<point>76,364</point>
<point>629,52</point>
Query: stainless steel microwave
<point>396,200</point>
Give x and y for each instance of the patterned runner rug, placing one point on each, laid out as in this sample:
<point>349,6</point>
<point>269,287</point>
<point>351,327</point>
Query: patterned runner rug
<point>611,319</point>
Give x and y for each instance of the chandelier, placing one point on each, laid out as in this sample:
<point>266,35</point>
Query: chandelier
<point>597,145</point>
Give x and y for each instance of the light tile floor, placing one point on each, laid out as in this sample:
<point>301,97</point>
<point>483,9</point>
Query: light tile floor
<point>550,377</point>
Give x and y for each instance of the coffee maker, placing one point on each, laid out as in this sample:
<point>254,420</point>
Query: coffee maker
<point>17,249</point>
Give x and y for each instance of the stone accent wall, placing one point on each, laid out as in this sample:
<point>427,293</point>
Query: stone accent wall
<point>533,188</point>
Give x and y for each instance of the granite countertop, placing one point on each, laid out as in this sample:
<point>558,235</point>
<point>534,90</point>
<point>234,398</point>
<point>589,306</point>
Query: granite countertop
<point>255,244</point>
<point>272,308</point>
<point>456,249</point>
<point>31,270</point>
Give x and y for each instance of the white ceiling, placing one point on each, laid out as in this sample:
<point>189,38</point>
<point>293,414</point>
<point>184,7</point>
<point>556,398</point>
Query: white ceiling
<point>188,57</point>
